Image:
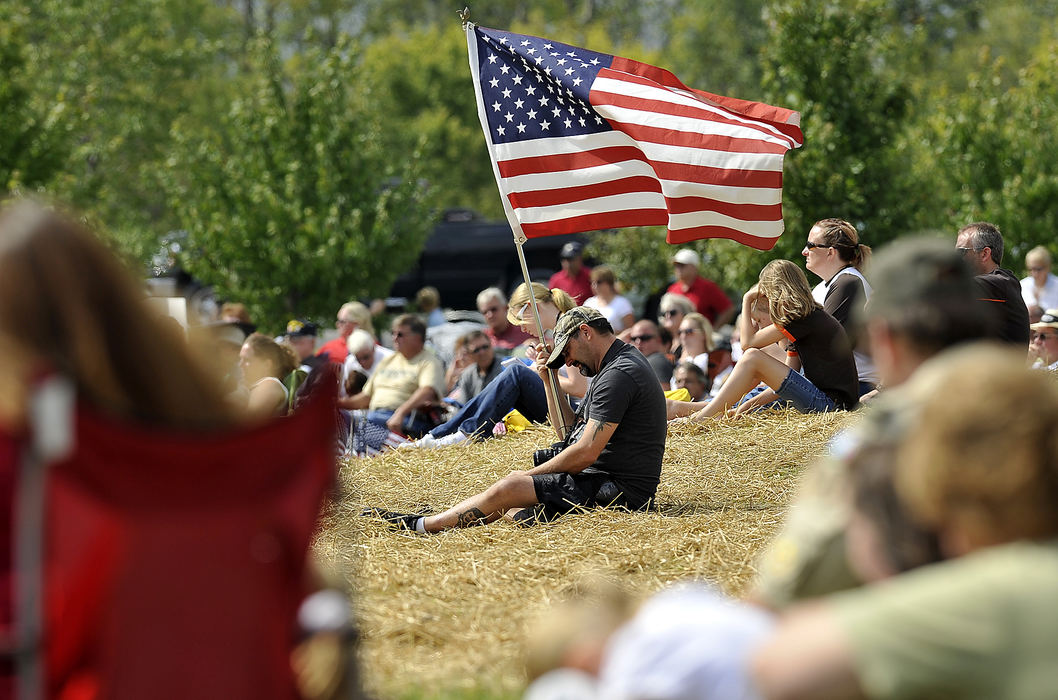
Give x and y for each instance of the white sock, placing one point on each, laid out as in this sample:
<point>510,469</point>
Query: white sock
<point>420,524</point>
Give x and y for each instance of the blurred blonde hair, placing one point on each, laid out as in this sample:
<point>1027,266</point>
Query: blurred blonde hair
<point>985,463</point>
<point>359,313</point>
<point>520,297</point>
<point>787,290</point>
<point>702,324</point>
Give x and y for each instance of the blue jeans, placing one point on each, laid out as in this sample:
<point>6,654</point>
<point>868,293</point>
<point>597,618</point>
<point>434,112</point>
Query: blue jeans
<point>517,387</point>
<point>805,396</point>
<point>412,428</point>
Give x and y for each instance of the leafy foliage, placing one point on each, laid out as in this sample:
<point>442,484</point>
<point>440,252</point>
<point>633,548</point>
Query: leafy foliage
<point>291,202</point>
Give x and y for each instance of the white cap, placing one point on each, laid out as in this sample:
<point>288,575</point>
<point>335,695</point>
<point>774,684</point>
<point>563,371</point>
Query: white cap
<point>686,256</point>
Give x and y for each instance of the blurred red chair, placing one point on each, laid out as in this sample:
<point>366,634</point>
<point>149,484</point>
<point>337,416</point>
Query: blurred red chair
<point>173,565</point>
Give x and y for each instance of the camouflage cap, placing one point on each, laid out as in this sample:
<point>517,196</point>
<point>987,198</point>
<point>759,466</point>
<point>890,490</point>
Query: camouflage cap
<point>568,325</point>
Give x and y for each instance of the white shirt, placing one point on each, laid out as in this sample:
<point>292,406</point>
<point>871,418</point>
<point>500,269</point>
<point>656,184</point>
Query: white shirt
<point>614,312</point>
<point>1046,298</point>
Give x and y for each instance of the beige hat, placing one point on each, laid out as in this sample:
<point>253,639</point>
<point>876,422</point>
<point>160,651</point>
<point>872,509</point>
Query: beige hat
<point>567,326</point>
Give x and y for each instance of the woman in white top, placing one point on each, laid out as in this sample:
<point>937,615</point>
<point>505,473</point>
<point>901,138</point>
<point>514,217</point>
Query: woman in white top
<point>696,339</point>
<point>264,363</point>
<point>616,309</point>
<point>834,253</point>
<point>1040,288</point>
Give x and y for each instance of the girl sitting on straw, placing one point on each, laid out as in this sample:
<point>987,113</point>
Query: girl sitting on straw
<point>817,343</point>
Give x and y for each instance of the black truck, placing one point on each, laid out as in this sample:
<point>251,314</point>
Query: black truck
<point>465,254</point>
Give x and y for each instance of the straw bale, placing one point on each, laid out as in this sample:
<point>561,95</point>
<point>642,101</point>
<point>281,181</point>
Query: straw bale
<point>443,615</point>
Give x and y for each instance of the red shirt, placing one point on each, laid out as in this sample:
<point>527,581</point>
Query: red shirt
<point>510,338</point>
<point>578,287</point>
<point>334,350</point>
<point>707,297</point>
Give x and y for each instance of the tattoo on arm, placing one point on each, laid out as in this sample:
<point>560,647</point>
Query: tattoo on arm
<point>472,517</point>
<point>599,427</point>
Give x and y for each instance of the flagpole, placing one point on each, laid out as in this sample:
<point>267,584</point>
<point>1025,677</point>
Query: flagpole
<point>516,227</point>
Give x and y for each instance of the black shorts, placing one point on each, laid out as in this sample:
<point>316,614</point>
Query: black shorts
<point>561,492</point>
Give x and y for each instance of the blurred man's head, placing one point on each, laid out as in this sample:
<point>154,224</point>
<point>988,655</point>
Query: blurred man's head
<point>493,306</point>
<point>409,335</point>
<point>572,257</point>
<point>479,349</point>
<point>981,245</point>
<point>690,376</point>
<point>645,336</point>
<point>924,301</point>
<point>301,335</point>
<point>686,263</point>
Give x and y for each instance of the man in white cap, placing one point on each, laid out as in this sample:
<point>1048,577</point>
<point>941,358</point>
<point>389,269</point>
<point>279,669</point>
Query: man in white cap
<point>708,299</point>
<point>1043,349</point>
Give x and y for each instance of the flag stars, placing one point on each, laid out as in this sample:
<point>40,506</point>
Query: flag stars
<point>594,61</point>
<point>580,120</point>
<point>525,43</point>
<point>509,117</point>
<point>517,80</point>
<point>518,104</point>
<point>556,112</point>
<point>569,71</point>
<point>568,123</point>
<point>544,100</point>
<point>531,114</point>
<point>506,92</point>
<point>545,125</point>
<point>548,46</point>
<point>492,58</point>
<point>531,90</point>
<point>501,131</point>
<point>505,69</point>
<point>521,128</point>
<point>561,62</point>
<point>496,106</point>
<point>531,51</point>
<point>494,83</point>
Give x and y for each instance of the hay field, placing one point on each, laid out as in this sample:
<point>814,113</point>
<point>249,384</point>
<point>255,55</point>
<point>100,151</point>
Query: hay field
<point>444,616</point>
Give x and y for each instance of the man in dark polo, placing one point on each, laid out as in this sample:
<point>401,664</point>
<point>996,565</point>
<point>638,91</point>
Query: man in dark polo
<point>981,245</point>
<point>612,455</point>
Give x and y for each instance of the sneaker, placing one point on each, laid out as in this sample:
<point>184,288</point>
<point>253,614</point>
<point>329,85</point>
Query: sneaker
<point>430,441</point>
<point>398,521</point>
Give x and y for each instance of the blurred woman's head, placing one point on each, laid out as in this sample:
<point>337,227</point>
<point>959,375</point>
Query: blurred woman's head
<point>361,346</point>
<point>603,282</point>
<point>262,357</point>
<point>1038,263</point>
<point>68,305</point>
<point>695,334</point>
<point>550,302</point>
<point>786,288</point>
<point>671,310</point>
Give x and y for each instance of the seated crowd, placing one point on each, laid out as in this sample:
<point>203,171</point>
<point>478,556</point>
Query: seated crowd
<point>951,501</point>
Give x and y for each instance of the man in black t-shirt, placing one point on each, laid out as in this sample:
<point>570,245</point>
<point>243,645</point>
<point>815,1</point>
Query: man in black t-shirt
<point>981,245</point>
<point>612,454</point>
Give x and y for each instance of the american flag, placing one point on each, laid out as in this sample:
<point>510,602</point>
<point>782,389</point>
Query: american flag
<point>583,141</point>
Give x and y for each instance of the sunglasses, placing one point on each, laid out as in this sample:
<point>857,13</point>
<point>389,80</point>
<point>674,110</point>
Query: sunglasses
<point>811,246</point>
<point>398,334</point>
<point>688,331</point>
<point>1043,337</point>
<point>641,338</point>
<point>964,251</point>
<point>670,312</point>
<point>479,349</point>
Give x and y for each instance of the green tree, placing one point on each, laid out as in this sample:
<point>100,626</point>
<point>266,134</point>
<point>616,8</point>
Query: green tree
<point>292,203</point>
<point>33,138</point>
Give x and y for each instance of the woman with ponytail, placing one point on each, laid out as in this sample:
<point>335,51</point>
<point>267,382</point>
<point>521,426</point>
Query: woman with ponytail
<point>834,253</point>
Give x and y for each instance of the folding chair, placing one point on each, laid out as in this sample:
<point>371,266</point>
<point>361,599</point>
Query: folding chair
<point>154,564</point>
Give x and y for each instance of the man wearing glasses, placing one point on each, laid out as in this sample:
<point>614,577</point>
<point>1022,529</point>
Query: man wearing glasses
<point>409,379</point>
<point>483,368</point>
<point>1043,350</point>
<point>981,245</point>
<point>504,336</point>
<point>612,455</point>
<point>647,339</point>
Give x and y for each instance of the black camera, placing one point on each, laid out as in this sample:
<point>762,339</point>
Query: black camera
<point>541,456</point>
